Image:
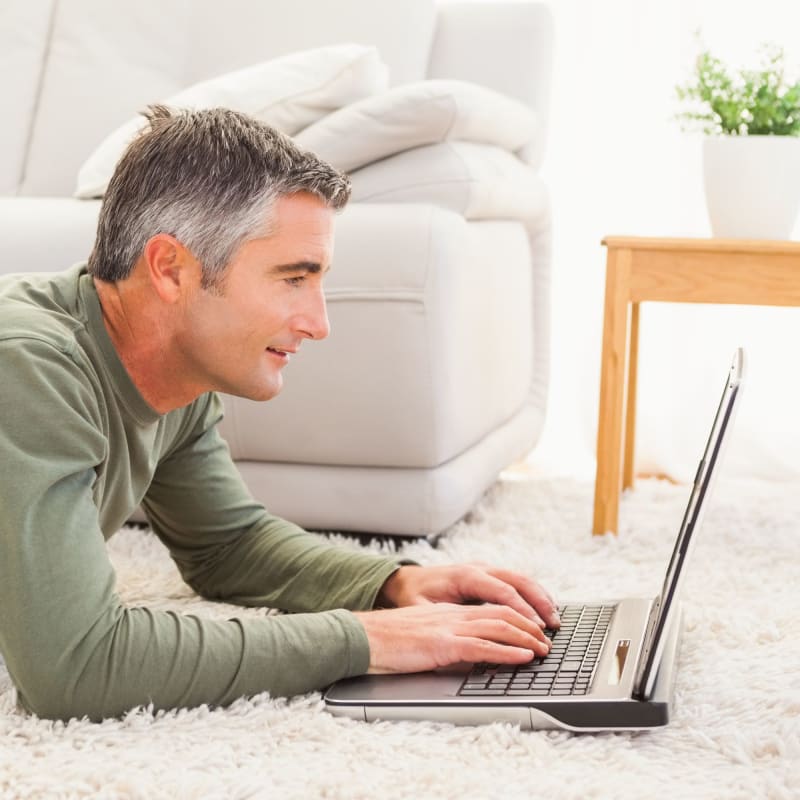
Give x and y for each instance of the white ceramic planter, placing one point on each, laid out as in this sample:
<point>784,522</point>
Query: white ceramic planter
<point>752,185</point>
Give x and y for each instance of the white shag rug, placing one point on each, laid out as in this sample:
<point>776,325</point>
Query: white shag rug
<point>736,725</point>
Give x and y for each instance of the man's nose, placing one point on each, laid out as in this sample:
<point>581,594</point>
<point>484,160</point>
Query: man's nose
<point>314,322</point>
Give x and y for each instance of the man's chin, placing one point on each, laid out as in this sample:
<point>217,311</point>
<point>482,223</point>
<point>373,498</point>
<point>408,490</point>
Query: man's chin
<point>259,394</point>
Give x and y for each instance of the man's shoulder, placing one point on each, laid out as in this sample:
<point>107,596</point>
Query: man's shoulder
<point>40,307</point>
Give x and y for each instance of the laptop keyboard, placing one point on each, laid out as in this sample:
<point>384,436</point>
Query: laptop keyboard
<point>568,669</point>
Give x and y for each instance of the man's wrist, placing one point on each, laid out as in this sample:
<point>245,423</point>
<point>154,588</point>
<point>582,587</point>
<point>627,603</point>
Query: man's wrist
<point>390,594</point>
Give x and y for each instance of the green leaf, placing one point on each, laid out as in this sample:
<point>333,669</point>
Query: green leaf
<point>717,101</point>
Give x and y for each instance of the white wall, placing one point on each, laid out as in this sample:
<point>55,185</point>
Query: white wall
<point>618,164</point>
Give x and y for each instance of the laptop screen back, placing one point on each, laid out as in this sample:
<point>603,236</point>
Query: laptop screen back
<point>665,606</point>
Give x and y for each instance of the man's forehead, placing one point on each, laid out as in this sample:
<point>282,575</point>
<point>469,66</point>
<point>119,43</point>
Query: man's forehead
<point>300,236</point>
<point>301,210</point>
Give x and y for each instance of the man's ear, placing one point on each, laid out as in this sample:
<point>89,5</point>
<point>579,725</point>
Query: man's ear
<point>171,267</point>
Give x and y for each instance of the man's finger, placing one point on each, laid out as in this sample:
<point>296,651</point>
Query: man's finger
<point>482,585</point>
<point>495,570</point>
<point>502,632</point>
<point>476,650</point>
<point>505,613</point>
<point>533,593</point>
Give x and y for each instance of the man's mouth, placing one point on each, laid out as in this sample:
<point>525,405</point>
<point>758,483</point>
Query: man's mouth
<point>282,354</point>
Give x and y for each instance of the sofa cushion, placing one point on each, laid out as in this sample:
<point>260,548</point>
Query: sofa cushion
<point>23,42</point>
<point>106,61</point>
<point>514,57</point>
<point>478,181</point>
<point>45,234</point>
<point>420,113</point>
<point>288,93</point>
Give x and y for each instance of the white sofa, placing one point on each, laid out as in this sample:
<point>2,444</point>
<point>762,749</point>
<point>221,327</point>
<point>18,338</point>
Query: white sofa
<point>435,375</point>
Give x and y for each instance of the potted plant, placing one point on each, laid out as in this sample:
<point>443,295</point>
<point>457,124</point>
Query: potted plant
<point>751,150</point>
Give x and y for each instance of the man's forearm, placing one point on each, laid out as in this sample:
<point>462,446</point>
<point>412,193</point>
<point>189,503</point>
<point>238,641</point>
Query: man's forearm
<point>172,661</point>
<point>228,546</point>
<point>280,565</point>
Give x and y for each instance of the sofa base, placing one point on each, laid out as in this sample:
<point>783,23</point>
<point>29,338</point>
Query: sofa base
<point>389,500</point>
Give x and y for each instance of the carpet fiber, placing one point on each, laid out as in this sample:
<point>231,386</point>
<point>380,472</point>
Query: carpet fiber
<point>736,724</point>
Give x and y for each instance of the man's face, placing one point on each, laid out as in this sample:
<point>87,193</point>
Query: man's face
<point>239,340</point>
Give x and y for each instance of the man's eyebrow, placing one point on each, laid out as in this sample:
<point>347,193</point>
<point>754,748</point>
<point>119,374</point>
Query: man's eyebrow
<point>297,266</point>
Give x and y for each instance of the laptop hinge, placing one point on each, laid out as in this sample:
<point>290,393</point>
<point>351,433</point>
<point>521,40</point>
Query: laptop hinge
<point>647,643</point>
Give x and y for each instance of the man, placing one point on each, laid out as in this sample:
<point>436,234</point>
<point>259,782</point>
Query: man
<point>206,275</point>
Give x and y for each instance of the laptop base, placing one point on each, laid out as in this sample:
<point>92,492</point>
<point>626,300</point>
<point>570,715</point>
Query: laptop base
<point>370,698</point>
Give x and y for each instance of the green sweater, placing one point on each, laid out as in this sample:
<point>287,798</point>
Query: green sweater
<point>80,449</point>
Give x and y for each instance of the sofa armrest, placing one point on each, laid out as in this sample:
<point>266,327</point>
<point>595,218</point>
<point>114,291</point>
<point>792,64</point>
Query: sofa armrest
<point>506,46</point>
<point>45,234</point>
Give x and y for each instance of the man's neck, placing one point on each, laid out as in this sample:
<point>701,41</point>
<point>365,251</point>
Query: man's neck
<point>142,342</point>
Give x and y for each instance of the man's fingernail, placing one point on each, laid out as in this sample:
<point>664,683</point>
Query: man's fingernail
<point>538,620</point>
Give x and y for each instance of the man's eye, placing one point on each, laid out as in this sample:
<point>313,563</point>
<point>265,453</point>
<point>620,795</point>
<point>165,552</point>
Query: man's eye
<point>296,281</point>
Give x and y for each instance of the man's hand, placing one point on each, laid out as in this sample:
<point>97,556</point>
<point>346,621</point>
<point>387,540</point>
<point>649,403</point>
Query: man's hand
<point>431,635</point>
<point>469,583</point>
<point>432,627</point>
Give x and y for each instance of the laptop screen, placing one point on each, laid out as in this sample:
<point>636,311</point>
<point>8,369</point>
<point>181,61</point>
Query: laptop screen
<point>665,606</point>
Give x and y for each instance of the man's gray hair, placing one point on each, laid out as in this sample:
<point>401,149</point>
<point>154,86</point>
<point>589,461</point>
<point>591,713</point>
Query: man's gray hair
<point>210,178</point>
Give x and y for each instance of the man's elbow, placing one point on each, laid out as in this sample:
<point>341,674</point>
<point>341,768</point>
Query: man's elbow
<point>55,696</point>
<point>50,702</point>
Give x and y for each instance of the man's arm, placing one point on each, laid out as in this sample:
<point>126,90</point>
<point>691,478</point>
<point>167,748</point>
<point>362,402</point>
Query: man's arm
<point>71,647</point>
<point>227,546</point>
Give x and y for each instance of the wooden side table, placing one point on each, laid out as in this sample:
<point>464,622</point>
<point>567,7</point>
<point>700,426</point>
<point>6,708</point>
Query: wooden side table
<point>741,271</point>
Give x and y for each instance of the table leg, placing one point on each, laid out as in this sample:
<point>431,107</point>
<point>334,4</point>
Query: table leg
<point>612,388</point>
<point>630,399</point>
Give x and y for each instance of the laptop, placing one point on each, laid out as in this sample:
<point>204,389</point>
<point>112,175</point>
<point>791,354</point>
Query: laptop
<point>612,664</point>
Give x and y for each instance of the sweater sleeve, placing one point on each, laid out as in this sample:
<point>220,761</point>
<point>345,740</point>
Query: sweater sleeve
<point>229,547</point>
<point>70,646</point>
